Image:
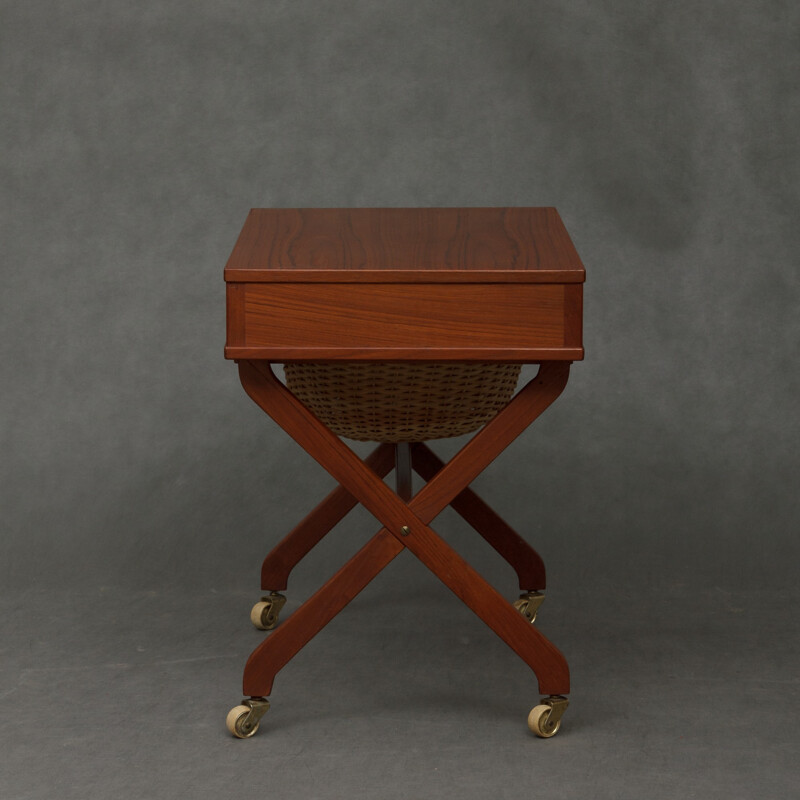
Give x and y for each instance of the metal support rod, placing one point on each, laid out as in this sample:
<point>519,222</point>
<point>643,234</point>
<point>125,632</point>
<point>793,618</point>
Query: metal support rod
<point>402,463</point>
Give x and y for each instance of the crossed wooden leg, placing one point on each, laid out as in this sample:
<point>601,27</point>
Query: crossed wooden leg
<point>312,529</point>
<point>497,532</point>
<point>335,507</point>
<point>406,525</point>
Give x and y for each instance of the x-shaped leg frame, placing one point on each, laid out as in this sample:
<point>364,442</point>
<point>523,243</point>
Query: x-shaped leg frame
<point>334,508</point>
<point>406,525</point>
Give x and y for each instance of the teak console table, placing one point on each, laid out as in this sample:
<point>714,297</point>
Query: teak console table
<point>381,313</point>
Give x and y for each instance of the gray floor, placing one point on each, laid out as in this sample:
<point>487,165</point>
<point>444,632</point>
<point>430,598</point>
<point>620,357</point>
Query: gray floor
<point>406,694</point>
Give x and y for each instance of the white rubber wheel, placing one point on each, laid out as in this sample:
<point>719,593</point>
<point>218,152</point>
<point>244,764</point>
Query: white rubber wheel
<point>538,719</point>
<point>234,720</point>
<point>257,615</point>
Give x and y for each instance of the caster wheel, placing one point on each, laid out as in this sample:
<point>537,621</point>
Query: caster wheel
<point>528,605</point>
<point>243,720</point>
<point>264,614</point>
<point>237,722</point>
<point>545,719</point>
<point>538,721</point>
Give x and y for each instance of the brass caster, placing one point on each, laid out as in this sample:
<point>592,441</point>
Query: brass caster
<point>528,605</point>
<point>242,721</point>
<point>545,719</point>
<point>264,614</point>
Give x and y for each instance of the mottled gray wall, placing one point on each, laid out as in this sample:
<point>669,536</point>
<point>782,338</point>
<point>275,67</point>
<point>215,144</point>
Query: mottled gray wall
<point>135,136</point>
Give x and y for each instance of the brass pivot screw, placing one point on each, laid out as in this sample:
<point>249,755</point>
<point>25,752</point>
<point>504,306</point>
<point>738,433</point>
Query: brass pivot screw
<point>405,530</point>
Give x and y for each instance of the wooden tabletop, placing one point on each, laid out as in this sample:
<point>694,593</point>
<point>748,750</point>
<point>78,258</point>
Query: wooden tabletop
<point>489,284</point>
<point>529,245</point>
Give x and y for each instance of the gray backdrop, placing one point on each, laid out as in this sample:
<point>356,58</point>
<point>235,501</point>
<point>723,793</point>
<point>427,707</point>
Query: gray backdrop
<point>136,136</point>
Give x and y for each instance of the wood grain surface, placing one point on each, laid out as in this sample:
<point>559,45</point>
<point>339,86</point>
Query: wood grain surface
<point>412,315</point>
<point>405,284</point>
<point>386,244</point>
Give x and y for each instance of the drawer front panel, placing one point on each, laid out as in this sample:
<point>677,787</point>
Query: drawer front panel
<point>405,317</point>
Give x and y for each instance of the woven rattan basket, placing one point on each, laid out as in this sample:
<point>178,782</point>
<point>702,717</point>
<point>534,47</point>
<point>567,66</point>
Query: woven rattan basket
<point>402,402</point>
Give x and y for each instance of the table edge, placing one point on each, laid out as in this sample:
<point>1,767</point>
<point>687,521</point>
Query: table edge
<point>515,355</point>
<point>403,276</point>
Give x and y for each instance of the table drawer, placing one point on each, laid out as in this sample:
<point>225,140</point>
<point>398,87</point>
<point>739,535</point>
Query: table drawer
<point>404,321</point>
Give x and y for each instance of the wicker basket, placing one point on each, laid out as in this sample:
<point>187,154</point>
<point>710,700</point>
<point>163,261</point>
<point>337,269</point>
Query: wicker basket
<point>402,402</point>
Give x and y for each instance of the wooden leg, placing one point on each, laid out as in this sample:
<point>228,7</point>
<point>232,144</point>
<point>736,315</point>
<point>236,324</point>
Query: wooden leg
<point>288,553</point>
<point>286,641</point>
<point>408,522</point>
<point>494,529</point>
